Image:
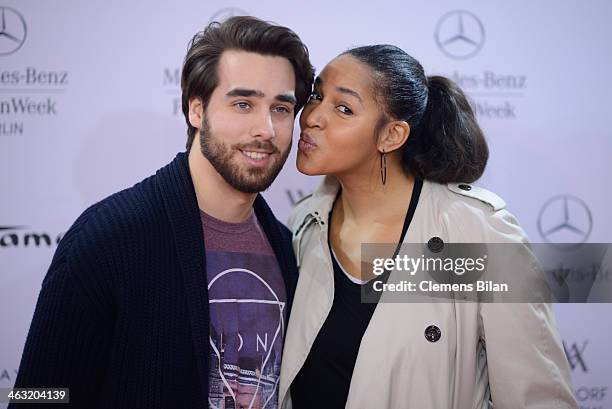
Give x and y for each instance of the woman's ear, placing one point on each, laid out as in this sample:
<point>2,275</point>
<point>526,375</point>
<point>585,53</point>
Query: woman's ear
<point>196,112</point>
<point>393,136</point>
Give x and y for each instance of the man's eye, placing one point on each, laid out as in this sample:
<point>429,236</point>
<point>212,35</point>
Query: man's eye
<point>345,110</point>
<point>282,110</point>
<point>242,105</point>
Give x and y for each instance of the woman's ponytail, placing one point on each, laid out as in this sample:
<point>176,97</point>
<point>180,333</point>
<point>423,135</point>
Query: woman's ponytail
<point>445,144</point>
<point>449,145</point>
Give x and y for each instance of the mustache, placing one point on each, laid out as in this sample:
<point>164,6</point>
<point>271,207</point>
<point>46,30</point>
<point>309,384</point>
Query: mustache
<point>259,145</point>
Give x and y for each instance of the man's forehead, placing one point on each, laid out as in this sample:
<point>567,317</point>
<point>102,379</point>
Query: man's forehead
<point>270,75</point>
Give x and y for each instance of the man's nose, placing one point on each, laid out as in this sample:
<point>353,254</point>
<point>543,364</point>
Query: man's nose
<point>262,126</point>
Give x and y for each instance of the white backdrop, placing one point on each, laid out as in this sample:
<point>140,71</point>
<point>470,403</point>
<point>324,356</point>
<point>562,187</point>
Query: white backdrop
<point>90,104</point>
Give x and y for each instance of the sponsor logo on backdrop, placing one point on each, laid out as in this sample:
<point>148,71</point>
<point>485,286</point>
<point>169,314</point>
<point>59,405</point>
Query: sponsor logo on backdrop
<point>171,82</point>
<point>588,396</point>
<point>575,355</point>
<point>592,397</point>
<point>460,35</point>
<point>13,30</point>
<point>171,77</point>
<point>295,195</point>
<point>25,91</point>
<point>24,237</point>
<point>7,376</point>
<point>565,219</point>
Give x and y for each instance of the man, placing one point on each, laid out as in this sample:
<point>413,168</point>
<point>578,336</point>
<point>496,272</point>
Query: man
<point>175,293</point>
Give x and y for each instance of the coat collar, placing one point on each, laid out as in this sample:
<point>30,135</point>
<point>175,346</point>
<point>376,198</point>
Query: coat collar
<point>322,199</point>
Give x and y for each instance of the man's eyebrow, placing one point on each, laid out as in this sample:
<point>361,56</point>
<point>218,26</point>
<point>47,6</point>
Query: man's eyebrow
<point>243,92</point>
<point>288,98</point>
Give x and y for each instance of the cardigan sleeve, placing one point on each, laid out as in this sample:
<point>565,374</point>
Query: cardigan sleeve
<point>69,339</point>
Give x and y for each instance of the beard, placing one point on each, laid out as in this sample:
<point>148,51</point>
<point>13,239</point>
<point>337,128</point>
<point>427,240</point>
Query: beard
<point>249,180</point>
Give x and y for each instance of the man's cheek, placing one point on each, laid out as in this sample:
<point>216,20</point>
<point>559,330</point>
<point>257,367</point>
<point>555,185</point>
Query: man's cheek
<point>285,135</point>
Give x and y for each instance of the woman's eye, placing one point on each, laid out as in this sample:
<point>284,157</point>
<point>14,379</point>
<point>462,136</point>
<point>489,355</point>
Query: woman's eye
<point>314,96</point>
<point>345,110</point>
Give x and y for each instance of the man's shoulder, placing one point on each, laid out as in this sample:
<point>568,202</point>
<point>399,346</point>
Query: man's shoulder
<point>139,203</point>
<point>124,216</point>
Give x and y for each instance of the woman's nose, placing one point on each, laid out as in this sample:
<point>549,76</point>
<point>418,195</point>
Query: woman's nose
<point>312,116</point>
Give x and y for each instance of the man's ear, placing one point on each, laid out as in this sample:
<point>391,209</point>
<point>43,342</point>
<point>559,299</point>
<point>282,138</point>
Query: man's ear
<point>393,136</point>
<point>196,112</point>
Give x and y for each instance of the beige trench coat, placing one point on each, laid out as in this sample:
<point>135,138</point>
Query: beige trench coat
<point>490,355</point>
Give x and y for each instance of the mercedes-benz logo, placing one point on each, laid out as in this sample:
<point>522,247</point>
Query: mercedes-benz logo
<point>460,34</point>
<point>565,219</point>
<point>226,13</point>
<point>13,30</point>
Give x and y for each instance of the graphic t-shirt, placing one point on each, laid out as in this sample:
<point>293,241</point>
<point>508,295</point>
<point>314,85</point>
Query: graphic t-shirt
<point>247,300</point>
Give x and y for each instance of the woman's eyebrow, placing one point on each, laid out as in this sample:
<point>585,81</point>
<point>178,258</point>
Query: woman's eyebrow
<point>349,92</point>
<point>319,81</point>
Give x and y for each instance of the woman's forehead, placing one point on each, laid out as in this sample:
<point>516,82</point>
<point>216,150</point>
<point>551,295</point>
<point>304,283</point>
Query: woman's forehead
<point>347,75</point>
<point>346,71</point>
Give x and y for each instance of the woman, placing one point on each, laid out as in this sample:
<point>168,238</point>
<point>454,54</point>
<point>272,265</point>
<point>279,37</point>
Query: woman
<point>399,150</point>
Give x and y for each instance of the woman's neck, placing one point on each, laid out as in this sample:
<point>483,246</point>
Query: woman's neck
<point>366,200</point>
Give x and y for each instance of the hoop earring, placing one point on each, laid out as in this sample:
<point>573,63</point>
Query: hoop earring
<point>383,167</point>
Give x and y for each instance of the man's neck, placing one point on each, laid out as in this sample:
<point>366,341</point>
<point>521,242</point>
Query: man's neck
<point>215,196</point>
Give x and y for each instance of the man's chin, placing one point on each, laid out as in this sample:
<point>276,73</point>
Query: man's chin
<point>251,180</point>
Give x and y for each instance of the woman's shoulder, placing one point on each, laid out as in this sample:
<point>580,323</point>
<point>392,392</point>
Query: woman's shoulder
<point>466,196</point>
<point>470,212</point>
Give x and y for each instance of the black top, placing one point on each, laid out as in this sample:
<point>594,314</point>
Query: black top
<point>122,318</point>
<point>325,377</point>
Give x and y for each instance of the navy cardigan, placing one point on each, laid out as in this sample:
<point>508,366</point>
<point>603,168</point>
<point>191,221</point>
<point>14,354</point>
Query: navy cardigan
<point>122,317</point>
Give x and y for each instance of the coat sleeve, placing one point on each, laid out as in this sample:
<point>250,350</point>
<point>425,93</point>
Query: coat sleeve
<point>68,342</point>
<point>526,361</point>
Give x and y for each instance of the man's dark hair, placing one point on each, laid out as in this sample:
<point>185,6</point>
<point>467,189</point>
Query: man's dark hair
<point>244,33</point>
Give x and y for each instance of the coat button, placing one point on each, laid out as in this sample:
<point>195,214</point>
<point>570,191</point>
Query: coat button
<point>435,244</point>
<point>465,187</point>
<point>432,333</point>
